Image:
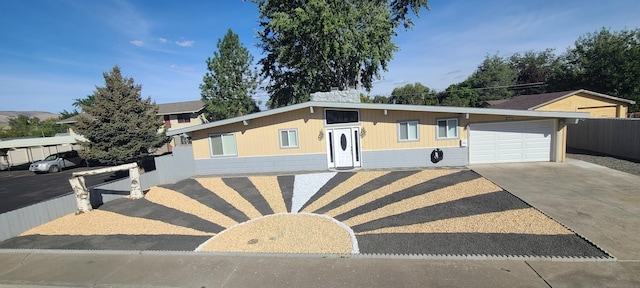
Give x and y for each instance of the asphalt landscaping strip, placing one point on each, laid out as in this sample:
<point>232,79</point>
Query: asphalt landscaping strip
<point>195,190</point>
<point>106,242</point>
<point>286,187</point>
<point>479,243</point>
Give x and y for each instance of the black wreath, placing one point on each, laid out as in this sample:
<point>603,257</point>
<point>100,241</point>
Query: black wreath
<point>437,155</point>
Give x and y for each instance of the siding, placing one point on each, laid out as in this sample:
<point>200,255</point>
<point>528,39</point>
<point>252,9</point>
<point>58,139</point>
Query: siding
<point>261,164</point>
<point>596,106</point>
<point>412,158</point>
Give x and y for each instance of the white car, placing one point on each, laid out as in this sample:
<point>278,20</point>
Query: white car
<point>56,162</point>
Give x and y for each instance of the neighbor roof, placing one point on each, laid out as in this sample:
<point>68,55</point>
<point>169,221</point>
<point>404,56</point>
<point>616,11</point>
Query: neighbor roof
<point>180,107</point>
<point>41,141</point>
<point>532,102</point>
<point>373,106</point>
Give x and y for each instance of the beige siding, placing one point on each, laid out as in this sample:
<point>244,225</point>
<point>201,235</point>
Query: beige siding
<point>194,119</point>
<point>261,136</point>
<point>596,106</point>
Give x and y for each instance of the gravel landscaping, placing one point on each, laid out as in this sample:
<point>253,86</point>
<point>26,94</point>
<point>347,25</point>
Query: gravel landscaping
<point>439,211</point>
<point>628,166</point>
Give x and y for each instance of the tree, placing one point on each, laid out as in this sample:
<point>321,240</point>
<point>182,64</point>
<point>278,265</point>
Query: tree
<point>230,82</point>
<point>493,79</point>
<point>533,69</point>
<point>81,103</point>
<point>605,62</point>
<point>460,95</point>
<point>315,45</point>
<point>414,94</point>
<point>124,126</point>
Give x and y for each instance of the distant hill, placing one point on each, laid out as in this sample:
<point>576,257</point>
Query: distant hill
<point>5,115</point>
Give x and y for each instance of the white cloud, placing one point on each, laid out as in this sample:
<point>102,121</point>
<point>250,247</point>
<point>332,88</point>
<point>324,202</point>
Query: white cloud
<point>163,40</point>
<point>185,43</point>
<point>137,43</point>
<point>182,68</point>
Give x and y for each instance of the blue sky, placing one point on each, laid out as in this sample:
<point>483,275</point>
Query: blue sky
<point>54,51</point>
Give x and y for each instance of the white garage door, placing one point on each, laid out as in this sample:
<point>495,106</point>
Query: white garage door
<point>504,142</point>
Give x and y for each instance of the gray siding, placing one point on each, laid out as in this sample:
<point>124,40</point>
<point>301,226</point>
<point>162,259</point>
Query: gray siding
<point>14,222</point>
<point>616,137</point>
<point>264,164</point>
<point>410,158</point>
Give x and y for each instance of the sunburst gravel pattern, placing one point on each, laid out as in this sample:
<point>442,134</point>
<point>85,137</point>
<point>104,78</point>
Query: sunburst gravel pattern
<point>391,212</point>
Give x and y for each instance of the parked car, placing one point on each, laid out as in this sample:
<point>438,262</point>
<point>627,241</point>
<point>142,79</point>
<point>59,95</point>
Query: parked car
<point>56,162</point>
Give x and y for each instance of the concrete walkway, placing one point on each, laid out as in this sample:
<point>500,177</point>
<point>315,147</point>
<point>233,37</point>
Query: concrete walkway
<point>599,203</point>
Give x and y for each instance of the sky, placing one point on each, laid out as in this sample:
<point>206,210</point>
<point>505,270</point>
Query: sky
<point>55,51</point>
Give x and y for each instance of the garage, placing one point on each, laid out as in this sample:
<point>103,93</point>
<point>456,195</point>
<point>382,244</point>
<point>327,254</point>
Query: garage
<point>517,141</point>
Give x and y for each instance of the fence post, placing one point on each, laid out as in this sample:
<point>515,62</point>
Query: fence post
<point>82,194</point>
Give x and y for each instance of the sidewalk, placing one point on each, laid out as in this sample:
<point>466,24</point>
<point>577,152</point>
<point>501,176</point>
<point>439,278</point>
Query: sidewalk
<point>132,269</point>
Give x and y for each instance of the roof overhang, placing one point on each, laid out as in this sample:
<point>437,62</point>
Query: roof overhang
<point>389,107</point>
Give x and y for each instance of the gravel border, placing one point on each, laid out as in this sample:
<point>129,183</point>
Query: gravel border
<point>625,165</point>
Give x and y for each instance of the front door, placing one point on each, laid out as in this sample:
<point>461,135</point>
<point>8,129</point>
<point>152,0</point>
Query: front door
<point>342,145</point>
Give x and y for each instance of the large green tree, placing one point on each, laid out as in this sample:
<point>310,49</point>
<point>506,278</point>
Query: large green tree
<point>533,69</point>
<point>24,126</point>
<point>414,94</point>
<point>493,79</point>
<point>228,87</point>
<point>604,61</point>
<point>124,127</point>
<point>314,45</point>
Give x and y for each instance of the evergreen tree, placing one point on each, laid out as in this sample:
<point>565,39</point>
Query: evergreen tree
<point>228,86</point>
<point>124,126</point>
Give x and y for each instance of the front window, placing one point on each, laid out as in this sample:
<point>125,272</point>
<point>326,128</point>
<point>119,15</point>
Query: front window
<point>447,129</point>
<point>223,144</point>
<point>184,118</point>
<point>289,138</point>
<point>408,131</point>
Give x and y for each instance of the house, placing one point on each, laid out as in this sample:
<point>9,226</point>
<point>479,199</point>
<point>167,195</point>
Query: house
<point>175,115</point>
<point>180,115</point>
<point>596,104</point>
<point>335,131</point>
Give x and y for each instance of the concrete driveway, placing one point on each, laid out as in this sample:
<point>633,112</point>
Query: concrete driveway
<point>599,203</point>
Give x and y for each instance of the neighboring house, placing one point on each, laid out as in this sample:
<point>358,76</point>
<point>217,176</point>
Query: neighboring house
<point>335,131</point>
<point>175,115</point>
<point>180,115</point>
<point>596,104</point>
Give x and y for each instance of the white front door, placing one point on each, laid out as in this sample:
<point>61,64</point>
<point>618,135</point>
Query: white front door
<point>343,149</point>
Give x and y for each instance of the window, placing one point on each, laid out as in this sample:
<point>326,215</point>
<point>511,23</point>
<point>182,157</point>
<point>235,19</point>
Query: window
<point>289,138</point>
<point>341,116</point>
<point>184,118</point>
<point>223,144</point>
<point>447,129</point>
<point>408,131</point>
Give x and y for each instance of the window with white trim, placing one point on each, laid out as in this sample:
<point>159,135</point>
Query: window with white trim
<point>288,138</point>
<point>223,144</point>
<point>447,128</point>
<point>408,131</point>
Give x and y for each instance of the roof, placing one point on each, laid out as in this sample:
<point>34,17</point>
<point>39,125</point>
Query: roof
<point>373,106</point>
<point>532,102</point>
<point>74,119</point>
<point>180,107</point>
<point>41,141</point>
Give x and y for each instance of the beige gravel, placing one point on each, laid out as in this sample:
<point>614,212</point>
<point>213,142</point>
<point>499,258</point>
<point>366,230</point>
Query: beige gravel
<point>99,222</point>
<point>270,190</point>
<point>284,233</point>
<point>391,188</point>
<point>520,221</point>
<point>454,192</point>
<point>179,201</point>
<point>217,186</point>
